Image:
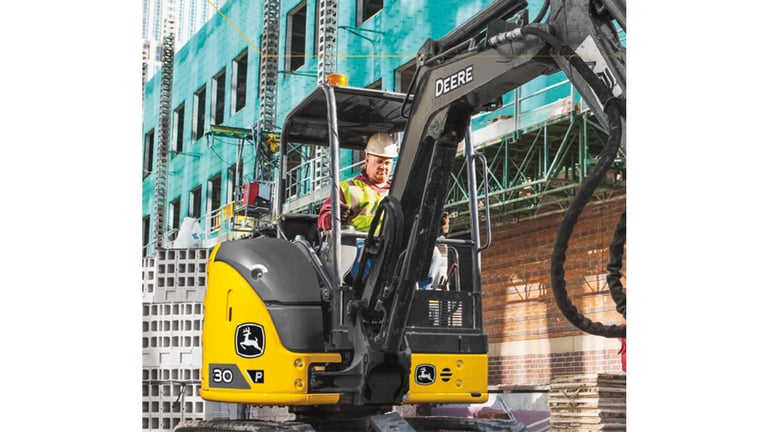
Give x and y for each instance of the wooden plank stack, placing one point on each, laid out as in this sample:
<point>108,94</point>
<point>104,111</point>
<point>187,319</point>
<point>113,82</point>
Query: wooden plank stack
<point>588,403</point>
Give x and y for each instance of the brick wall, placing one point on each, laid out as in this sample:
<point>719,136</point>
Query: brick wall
<point>530,339</point>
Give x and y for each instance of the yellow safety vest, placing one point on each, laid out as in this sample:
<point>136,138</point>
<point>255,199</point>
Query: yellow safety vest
<point>360,195</point>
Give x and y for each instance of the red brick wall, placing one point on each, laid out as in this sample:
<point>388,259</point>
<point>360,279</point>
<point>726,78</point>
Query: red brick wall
<point>518,304</point>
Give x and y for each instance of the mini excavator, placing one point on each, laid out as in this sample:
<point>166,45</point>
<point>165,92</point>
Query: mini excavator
<point>284,323</point>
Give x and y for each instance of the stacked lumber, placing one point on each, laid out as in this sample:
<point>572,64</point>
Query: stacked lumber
<point>588,403</point>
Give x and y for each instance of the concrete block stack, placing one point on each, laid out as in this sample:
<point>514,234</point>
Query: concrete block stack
<point>180,275</point>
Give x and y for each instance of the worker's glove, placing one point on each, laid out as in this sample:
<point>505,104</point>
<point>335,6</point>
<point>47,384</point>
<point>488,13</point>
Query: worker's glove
<point>346,213</point>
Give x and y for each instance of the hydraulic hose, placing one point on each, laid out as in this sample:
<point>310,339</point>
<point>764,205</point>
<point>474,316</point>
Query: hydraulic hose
<point>557,272</point>
<point>542,12</point>
<point>614,266</point>
<point>390,240</point>
<point>615,109</point>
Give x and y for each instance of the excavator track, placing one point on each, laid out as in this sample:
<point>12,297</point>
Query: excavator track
<point>390,422</point>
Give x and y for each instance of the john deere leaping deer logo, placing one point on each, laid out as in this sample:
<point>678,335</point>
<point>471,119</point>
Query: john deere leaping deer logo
<point>425,374</point>
<point>249,340</point>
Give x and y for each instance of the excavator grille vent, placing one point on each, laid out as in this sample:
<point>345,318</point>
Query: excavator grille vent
<point>445,313</point>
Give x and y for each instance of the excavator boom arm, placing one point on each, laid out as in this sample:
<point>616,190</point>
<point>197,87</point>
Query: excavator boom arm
<point>455,84</point>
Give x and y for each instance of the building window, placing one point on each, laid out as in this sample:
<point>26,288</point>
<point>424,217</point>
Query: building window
<point>318,25</point>
<point>145,236</point>
<point>240,78</point>
<point>214,199</point>
<point>145,15</point>
<point>231,182</point>
<point>158,22</point>
<point>195,200</point>
<point>297,32</point>
<point>199,113</point>
<point>149,152</point>
<point>367,9</point>
<point>178,129</point>
<point>174,214</point>
<point>404,75</point>
<point>217,98</point>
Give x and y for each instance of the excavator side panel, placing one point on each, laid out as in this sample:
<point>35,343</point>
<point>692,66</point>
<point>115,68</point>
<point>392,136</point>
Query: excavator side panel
<point>244,357</point>
<point>448,378</point>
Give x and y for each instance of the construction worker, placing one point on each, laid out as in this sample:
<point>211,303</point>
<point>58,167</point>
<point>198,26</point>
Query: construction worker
<point>360,196</point>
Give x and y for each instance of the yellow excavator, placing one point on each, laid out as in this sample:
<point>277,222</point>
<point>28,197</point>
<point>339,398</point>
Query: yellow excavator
<point>285,322</point>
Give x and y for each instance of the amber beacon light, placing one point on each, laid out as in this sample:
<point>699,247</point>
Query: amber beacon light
<point>337,79</point>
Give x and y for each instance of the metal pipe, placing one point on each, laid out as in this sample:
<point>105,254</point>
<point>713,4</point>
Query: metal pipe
<point>333,150</point>
<point>499,9</point>
<point>472,188</point>
<point>486,203</point>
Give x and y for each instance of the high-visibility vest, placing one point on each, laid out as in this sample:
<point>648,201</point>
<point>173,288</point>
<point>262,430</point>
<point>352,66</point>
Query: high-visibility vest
<point>360,195</point>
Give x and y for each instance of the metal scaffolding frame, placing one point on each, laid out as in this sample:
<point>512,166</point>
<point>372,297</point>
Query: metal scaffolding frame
<point>537,170</point>
<point>326,43</point>
<point>161,168</point>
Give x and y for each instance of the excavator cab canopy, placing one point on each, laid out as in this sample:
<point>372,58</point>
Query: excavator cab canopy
<point>360,113</point>
<point>353,114</point>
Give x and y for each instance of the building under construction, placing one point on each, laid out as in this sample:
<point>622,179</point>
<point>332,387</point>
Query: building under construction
<point>211,126</point>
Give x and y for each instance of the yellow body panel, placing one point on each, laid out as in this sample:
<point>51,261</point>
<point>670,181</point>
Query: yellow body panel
<point>455,378</point>
<point>276,376</point>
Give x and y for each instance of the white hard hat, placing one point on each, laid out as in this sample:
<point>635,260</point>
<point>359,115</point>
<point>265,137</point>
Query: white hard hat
<point>382,145</point>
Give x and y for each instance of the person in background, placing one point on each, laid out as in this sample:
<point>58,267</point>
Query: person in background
<point>439,256</point>
<point>360,196</point>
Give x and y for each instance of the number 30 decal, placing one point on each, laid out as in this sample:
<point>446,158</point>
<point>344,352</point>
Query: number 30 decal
<point>226,375</point>
<point>221,375</point>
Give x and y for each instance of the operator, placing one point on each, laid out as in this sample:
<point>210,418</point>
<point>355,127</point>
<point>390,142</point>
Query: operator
<point>360,196</point>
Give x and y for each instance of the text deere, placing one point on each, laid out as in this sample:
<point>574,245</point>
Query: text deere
<point>453,81</point>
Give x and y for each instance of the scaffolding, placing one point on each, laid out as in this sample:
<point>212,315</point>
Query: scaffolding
<point>249,211</point>
<point>538,170</point>
<point>326,49</point>
<point>161,176</point>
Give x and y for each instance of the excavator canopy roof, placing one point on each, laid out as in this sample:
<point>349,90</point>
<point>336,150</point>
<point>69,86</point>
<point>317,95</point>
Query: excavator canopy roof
<point>360,113</point>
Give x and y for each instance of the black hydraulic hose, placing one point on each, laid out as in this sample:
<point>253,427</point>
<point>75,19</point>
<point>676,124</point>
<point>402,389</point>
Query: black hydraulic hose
<point>499,9</point>
<point>615,109</point>
<point>542,12</point>
<point>557,272</point>
<point>406,112</point>
<point>389,207</point>
<point>614,266</point>
<point>603,93</point>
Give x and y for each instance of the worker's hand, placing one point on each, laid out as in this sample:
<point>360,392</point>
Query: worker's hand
<point>346,213</point>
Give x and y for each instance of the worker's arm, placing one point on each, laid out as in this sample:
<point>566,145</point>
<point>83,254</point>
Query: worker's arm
<point>324,218</point>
